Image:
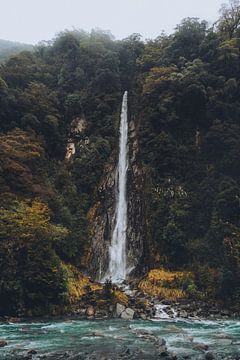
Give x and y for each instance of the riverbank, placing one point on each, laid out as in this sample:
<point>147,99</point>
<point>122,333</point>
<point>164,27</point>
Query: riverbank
<point>135,306</point>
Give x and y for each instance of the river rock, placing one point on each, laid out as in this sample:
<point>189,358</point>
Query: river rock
<point>183,314</point>
<point>143,316</point>
<point>142,332</point>
<point>224,342</point>
<point>225,313</point>
<point>90,311</point>
<point>119,309</point>
<point>163,351</point>
<point>32,352</point>
<point>127,314</point>
<point>209,356</point>
<point>161,341</point>
<point>3,343</point>
<point>200,346</point>
<point>174,329</point>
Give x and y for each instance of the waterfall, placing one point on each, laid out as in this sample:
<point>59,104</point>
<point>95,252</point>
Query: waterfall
<point>118,251</point>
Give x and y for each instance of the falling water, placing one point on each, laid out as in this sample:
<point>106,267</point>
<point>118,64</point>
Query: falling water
<point>117,251</point>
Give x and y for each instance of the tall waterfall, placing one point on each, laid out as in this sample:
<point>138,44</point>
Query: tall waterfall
<point>117,251</point>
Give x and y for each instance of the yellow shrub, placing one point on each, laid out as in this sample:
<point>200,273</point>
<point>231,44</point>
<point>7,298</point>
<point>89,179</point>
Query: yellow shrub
<point>161,283</point>
<point>78,283</point>
<point>120,297</point>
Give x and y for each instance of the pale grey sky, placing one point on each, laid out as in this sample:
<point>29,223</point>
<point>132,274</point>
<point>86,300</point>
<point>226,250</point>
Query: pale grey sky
<point>31,21</point>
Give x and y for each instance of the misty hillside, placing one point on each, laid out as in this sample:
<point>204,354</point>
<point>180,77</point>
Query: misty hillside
<point>10,48</point>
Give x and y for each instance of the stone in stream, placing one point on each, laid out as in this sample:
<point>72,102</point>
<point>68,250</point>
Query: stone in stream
<point>97,334</point>
<point>174,329</point>
<point>3,343</point>
<point>200,346</point>
<point>209,356</point>
<point>127,314</point>
<point>223,336</point>
<point>32,352</point>
<point>224,342</point>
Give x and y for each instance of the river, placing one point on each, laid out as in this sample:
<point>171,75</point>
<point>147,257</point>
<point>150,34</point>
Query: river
<point>115,339</point>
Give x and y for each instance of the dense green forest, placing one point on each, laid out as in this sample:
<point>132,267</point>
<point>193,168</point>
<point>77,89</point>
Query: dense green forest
<point>184,89</point>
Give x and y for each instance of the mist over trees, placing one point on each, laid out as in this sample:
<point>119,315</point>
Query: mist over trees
<point>10,48</point>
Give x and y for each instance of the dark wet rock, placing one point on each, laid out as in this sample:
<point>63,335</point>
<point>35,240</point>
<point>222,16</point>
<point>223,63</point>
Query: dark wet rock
<point>3,343</point>
<point>97,334</point>
<point>225,313</point>
<point>200,346</point>
<point>161,341</point>
<point>210,356</point>
<point>32,352</point>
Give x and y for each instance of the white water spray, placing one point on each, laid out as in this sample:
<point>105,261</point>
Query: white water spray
<point>118,251</point>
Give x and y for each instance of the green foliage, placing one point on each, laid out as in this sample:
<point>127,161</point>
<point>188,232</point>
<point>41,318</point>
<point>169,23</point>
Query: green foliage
<point>33,277</point>
<point>184,94</point>
<point>189,138</point>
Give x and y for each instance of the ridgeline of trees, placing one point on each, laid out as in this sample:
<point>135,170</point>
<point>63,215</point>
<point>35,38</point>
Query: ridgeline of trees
<point>185,88</point>
<point>10,48</point>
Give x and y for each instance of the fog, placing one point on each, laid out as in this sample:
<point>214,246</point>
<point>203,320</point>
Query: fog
<point>31,21</point>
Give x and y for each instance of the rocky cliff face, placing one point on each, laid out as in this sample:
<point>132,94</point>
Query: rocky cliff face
<point>136,213</point>
<point>78,127</point>
<point>101,216</point>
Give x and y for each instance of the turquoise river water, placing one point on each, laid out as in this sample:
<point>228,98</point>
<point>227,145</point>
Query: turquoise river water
<point>112,337</point>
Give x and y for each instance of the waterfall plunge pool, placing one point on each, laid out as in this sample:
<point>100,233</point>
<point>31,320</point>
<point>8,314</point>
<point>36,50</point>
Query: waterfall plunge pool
<point>119,339</point>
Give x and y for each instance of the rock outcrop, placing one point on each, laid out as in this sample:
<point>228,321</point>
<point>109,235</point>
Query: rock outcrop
<point>77,129</point>
<point>127,314</point>
<point>101,216</point>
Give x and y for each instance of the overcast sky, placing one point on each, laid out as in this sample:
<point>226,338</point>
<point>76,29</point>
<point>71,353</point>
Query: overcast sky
<point>31,21</point>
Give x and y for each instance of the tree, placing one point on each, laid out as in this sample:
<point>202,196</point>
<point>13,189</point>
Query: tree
<point>34,277</point>
<point>229,22</point>
<point>20,154</point>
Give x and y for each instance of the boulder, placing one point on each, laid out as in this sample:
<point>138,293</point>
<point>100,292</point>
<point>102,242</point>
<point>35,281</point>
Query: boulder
<point>90,311</point>
<point>183,314</point>
<point>163,351</point>
<point>142,332</point>
<point>200,346</point>
<point>127,314</point>
<point>32,352</point>
<point>160,341</point>
<point>209,356</point>
<point>225,313</point>
<point>119,309</point>
<point>3,343</point>
<point>224,342</point>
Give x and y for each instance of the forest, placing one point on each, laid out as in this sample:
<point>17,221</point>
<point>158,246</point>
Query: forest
<point>184,91</point>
